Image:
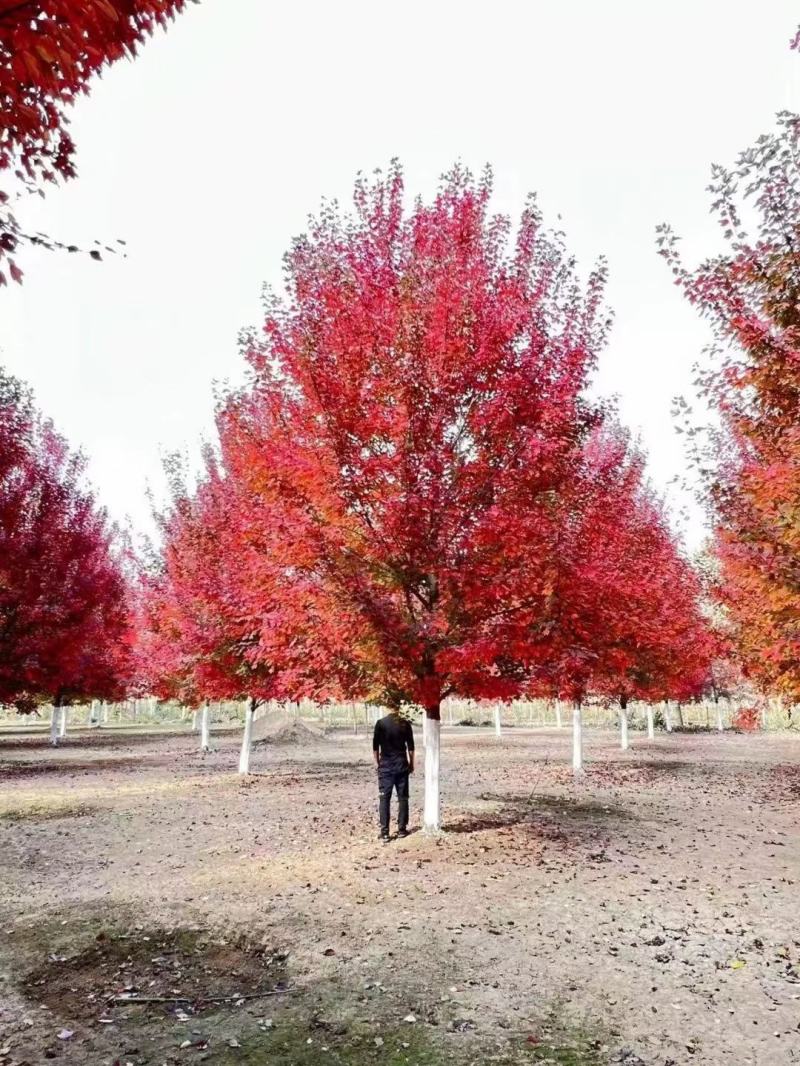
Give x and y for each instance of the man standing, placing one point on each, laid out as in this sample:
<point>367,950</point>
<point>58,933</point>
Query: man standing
<point>393,750</point>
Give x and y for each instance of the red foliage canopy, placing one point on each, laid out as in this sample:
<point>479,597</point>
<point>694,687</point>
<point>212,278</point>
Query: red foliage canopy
<point>64,627</point>
<point>751,294</point>
<point>413,497</point>
<point>49,52</point>
<point>626,619</point>
<point>415,419</point>
<point>213,612</point>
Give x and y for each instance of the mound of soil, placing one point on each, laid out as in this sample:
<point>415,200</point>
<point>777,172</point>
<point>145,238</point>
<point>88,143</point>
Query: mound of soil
<point>280,728</point>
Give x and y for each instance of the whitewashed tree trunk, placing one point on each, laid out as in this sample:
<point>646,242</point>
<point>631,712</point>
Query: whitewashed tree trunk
<point>720,726</point>
<point>425,731</point>
<point>498,729</point>
<point>558,715</point>
<point>623,729</point>
<point>577,739</point>
<point>247,738</point>
<point>94,715</point>
<point>205,728</point>
<point>651,725</point>
<point>431,807</point>
<point>194,721</point>
<point>104,713</point>
<point>55,725</point>
<point>668,717</point>
<point>62,724</point>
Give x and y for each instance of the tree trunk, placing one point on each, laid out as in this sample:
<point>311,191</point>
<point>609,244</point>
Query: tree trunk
<point>668,716</point>
<point>577,739</point>
<point>205,728</point>
<point>431,813</point>
<point>623,725</point>
<point>62,724</point>
<point>247,738</point>
<point>194,721</point>
<point>498,730</point>
<point>558,714</point>
<point>651,725</point>
<point>104,714</point>
<point>720,726</point>
<point>681,723</point>
<point>55,725</point>
<point>425,729</point>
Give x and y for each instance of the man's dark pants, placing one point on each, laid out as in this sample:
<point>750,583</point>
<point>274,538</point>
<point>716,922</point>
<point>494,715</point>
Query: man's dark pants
<point>393,777</point>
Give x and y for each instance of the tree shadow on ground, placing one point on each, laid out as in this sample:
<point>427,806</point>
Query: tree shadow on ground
<point>121,738</point>
<point>678,766</point>
<point>15,770</point>
<point>544,814</point>
<point>302,772</point>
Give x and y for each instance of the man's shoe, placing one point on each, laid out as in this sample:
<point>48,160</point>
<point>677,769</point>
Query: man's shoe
<point>402,832</point>
<point>385,838</point>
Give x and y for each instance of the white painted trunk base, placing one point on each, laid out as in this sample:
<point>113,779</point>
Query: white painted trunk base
<point>623,730</point>
<point>431,816</point>
<point>205,730</point>
<point>62,723</point>
<point>498,729</point>
<point>577,739</point>
<point>559,723</point>
<point>247,737</point>
<point>668,717</point>
<point>55,725</point>
<point>651,725</point>
<point>194,721</point>
<point>720,726</point>
<point>424,730</point>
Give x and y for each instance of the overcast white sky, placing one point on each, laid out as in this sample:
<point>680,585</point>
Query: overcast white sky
<point>207,153</point>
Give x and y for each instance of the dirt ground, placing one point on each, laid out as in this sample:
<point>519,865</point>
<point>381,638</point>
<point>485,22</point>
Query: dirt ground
<point>646,914</point>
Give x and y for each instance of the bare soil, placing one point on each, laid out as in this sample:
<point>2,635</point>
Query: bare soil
<point>156,908</point>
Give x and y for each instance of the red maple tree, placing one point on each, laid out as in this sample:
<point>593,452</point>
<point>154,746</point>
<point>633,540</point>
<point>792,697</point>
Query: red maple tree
<point>627,620</point>
<point>64,625</point>
<point>751,295</point>
<point>416,413</point>
<point>49,52</point>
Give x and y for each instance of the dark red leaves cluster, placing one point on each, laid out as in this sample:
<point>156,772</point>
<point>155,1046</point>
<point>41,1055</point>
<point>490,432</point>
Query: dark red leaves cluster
<point>65,632</point>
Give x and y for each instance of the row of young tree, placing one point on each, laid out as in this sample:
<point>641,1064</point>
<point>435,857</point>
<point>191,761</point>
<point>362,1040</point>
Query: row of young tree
<point>414,496</point>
